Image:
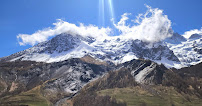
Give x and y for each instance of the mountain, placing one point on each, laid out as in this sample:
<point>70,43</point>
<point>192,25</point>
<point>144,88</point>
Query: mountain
<point>76,70</point>
<point>54,80</point>
<point>52,50</point>
<point>159,87</point>
<point>195,36</point>
<point>175,52</point>
<point>188,51</point>
<point>79,81</point>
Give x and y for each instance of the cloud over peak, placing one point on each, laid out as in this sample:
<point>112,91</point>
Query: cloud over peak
<point>62,27</point>
<point>187,34</point>
<point>151,26</point>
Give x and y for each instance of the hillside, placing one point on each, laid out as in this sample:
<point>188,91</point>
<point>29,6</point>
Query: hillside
<point>173,89</point>
<point>79,81</point>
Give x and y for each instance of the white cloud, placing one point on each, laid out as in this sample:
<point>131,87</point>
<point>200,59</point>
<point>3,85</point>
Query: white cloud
<point>62,27</point>
<point>153,26</point>
<point>187,34</point>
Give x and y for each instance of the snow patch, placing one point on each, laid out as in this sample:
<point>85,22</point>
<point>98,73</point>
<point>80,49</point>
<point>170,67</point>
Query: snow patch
<point>143,73</point>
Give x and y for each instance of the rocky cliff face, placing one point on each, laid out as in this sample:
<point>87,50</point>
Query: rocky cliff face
<point>157,86</point>
<point>66,77</point>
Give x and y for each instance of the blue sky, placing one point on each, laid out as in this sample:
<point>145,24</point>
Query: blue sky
<point>29,16</point>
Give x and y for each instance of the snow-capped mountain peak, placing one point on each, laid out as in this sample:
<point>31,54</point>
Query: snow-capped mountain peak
<point>117,49</point>
<point>188,50</point>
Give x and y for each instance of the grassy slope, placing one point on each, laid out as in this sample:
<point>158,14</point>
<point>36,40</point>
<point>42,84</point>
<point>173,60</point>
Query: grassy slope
<point>32,98</point>
<point>136,96</point>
